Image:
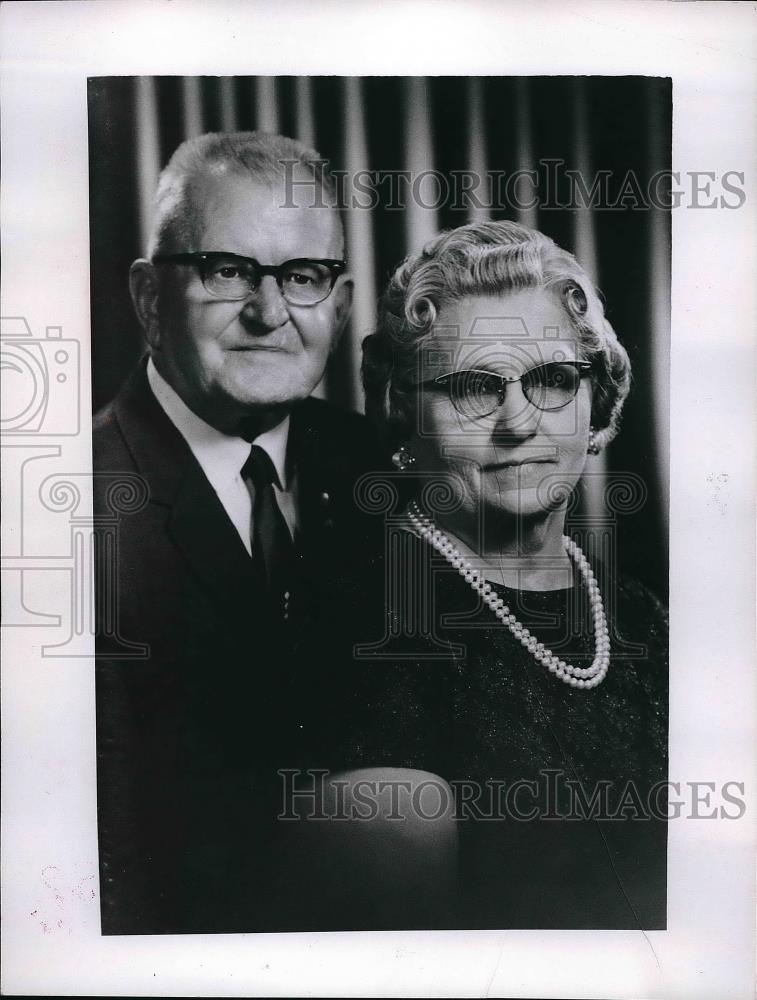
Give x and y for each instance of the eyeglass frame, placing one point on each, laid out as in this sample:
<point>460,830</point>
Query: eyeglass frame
<point>201,259</point>
<point>584,368</point>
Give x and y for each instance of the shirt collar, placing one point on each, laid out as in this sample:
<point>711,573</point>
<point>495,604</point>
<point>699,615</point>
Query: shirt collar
<point>216,452</point>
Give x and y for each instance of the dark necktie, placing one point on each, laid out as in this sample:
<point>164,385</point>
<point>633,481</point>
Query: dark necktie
<point>272,547</point>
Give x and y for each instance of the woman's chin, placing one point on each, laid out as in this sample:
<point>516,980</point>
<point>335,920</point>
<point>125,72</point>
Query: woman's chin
<point>525,503</point>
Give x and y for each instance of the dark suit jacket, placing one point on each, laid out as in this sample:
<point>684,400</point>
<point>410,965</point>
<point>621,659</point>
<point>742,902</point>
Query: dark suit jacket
<point>191,734</point>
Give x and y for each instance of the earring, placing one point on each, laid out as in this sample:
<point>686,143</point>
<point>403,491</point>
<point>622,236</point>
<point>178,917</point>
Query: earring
<point>593,448</point>
<point>402,459</point>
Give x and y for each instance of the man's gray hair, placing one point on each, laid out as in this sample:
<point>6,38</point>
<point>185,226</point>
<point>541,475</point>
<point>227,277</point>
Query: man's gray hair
<point>259,155</point>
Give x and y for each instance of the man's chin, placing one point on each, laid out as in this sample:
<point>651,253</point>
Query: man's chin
<point>259,397</point>
<point>271,400</point>
<point>265,390</point>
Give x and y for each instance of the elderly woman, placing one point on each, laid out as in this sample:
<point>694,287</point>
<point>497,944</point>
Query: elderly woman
<point>531,680</point>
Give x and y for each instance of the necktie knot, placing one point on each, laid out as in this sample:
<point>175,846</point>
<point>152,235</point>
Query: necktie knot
<point>259,468</point>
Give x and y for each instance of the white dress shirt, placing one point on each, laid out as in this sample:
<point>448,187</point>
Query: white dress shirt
<point>221,457</point>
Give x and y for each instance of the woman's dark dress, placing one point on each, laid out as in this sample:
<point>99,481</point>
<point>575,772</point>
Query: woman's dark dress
<point>487,711</point>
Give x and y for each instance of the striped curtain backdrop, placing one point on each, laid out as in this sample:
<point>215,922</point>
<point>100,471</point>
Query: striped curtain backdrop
<point>613,131</point>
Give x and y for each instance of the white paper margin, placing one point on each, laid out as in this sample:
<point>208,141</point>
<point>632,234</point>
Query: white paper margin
<point>50,912</point>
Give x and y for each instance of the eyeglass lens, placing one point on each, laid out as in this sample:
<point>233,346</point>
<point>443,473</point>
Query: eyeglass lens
<point>301,282</point>
<point>548,387</point>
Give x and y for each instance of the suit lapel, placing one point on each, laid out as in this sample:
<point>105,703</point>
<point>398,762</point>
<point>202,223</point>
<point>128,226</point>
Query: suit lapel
<point>199,525</point>
<point>197,522</point>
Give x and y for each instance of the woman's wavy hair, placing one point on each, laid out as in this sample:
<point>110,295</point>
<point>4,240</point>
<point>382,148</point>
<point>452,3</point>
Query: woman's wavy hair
<point>484,258</point>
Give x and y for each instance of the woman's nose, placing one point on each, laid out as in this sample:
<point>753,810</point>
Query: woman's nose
<point>266,308</point>
<point>516,418</point>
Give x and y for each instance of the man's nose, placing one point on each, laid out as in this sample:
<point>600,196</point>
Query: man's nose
<point>516,419</point>
<point>266,309</point>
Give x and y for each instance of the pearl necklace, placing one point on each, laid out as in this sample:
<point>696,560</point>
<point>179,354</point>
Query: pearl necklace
<point>577,677</point>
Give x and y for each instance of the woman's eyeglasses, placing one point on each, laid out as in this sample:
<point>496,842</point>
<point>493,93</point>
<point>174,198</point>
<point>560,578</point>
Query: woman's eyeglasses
<point>229,276</point>
<point>548,386</point>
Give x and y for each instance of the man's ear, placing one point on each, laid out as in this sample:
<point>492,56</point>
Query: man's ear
<point>143,285</point>
<point>342,308</point>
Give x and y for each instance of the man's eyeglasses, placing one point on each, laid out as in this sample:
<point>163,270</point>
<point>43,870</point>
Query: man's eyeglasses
<point>229,276</point>
<point>548,386</point>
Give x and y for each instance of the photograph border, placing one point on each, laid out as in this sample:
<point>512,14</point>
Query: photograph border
<point>50,931</point>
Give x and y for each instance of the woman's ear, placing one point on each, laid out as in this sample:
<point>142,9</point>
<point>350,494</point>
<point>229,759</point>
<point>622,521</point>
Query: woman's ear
<point>143,285</point>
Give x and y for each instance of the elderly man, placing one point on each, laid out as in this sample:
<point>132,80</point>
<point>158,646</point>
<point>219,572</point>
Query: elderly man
<point>248,512</point>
